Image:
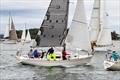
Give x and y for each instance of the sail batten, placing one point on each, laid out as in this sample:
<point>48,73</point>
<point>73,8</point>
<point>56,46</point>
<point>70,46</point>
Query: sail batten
<point>54,24</point>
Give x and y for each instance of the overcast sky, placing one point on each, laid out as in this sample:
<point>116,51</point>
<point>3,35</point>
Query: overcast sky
<point>31,12</point>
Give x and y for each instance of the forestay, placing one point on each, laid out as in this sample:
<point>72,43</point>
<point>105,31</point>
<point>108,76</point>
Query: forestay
<point>78,35</point>
<point>54,26</point>
<point>95,21</point>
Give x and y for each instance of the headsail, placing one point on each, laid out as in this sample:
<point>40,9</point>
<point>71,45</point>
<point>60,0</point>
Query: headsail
<point>95,21</point>
<point>12,33</point>
<point>54,26</point>
<point>78,35</point>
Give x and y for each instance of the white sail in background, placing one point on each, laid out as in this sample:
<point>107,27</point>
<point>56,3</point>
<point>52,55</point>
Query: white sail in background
<point>78,35</point>
<point>6,35</point>
<point>95,21</point>
<point>105,38</point>
<point>105,34</point>
<point>23,35</point>
<point>28,37</point>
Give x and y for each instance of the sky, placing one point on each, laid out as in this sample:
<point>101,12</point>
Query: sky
<point>32,12</point>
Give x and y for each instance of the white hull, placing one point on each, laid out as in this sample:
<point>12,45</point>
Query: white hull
<point>102,48</point>
<point>9,42</point>
<point>64,63</point>
<point>112,65</point>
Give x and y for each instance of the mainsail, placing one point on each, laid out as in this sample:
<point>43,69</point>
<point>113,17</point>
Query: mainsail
<point>54,26</point>
<point>104,38</point>
<point>10,30</point>
<point>78,35</point>
<point>23,35</point>
<point>95,21</point>
<point>28,37</point>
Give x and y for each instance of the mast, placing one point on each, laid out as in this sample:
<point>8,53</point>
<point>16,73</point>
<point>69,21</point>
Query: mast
<point>54,26</point>
<point>78,35</point>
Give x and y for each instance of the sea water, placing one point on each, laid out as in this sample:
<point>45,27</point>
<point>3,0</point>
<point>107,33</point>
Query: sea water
<point>10,69</point>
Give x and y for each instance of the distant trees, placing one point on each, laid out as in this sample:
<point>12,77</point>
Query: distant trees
<point>33,33</point>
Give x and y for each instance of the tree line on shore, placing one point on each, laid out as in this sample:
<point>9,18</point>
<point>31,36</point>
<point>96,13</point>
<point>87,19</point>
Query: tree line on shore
<point>34,31</point>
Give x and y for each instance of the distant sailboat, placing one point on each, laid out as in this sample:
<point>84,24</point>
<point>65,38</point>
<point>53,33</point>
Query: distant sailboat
<point>54,32</point>
<point>100,34</point>
<point>25,38</point>
<point>10,32</point>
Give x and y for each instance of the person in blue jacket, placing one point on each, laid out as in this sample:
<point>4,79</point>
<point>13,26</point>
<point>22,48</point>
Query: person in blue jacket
<point>36,54</point>
<point>114,56</point>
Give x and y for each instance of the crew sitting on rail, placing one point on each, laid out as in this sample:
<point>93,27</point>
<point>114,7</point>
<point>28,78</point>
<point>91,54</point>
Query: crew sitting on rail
<point>50,54</point>
<point>36,54</point>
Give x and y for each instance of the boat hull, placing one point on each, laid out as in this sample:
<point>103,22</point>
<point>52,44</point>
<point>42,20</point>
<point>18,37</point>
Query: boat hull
<point>112,65</point>
<point>99,49</point>
<point>9,42</point>
<point>63,63</point>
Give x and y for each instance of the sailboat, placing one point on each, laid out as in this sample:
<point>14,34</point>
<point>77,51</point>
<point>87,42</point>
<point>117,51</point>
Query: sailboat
<point>56,35</point>
<point>25,38</point>
<point>100,33</point>
<point>10,33</point>
<point>112,65</point>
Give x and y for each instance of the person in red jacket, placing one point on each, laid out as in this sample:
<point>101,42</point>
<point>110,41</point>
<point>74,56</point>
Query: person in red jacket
<point>64,53</point>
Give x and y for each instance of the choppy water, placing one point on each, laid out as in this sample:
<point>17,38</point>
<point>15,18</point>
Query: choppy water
<point>11,70</point>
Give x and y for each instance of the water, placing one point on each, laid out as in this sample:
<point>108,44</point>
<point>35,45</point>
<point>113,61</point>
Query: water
<point>11,70</point>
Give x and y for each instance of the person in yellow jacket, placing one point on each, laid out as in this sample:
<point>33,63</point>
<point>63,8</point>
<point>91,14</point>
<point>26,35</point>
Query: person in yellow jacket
<point>51,54</point>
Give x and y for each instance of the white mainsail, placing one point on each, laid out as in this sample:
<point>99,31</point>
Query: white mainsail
<point>23,35</point>
<point>95,21</point>
<point>104,37</point>
<point>105,34</point>
<point>28,37</point>
<point>6,35</point>
<point>78,35</point>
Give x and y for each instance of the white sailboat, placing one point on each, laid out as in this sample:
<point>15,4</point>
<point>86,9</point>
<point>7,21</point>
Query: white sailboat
<point>104,41</point>
<point>10,33</point>
<point>112,65</point>
<point>25,38</point>
<point>28,37</point>
<point>100,33</point>
<point>77,40</point>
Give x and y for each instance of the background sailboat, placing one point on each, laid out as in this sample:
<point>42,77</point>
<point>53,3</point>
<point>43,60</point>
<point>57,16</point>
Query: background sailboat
<point>104,41</point>
<point>25,38</point>
<point>10,33</point>
<point>100,34</point>
<point>54,30</point>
